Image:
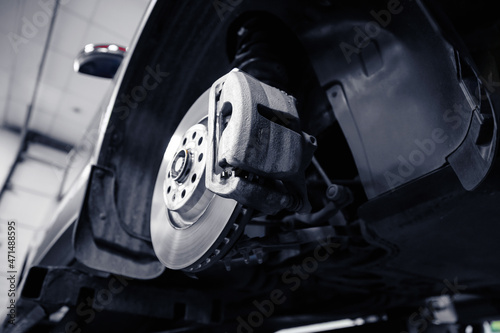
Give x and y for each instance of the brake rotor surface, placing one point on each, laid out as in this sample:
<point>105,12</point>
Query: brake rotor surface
<point>191,228</point>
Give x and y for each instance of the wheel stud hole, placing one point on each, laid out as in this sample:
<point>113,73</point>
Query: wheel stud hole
<point>183,194</point>
<point>193,179</point>
<point>200,140</point>
<point>169,189</point>
<point>200,157</point>
<point>184,141</point>
<point>194,135</point>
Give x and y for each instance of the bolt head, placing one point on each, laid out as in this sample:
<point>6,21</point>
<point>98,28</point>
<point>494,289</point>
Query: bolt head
<point>333,192</point>
<point>225,174</point>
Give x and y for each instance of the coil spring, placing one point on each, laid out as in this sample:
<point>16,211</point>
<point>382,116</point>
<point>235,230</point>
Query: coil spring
<point>266,49</point>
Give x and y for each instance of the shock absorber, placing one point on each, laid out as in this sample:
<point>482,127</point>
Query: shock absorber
<point>262,46</point>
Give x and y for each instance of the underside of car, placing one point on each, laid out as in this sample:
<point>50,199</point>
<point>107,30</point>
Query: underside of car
<point>272,164</point>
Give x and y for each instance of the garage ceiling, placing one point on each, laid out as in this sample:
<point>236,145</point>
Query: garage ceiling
<point>66,101</point>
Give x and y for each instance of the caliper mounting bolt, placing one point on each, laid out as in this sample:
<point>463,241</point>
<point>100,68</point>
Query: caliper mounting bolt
<point>340,195</point>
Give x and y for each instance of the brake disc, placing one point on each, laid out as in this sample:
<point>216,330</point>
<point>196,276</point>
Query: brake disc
<point>191,228</point>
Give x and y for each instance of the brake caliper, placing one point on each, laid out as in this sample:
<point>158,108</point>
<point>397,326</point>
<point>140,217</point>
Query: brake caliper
<point>257,154</point>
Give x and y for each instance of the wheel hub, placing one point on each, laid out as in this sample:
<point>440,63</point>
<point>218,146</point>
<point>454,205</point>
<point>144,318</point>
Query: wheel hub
<point>183,185</point>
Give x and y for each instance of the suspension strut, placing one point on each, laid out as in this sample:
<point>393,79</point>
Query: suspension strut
<point>262,46</point>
